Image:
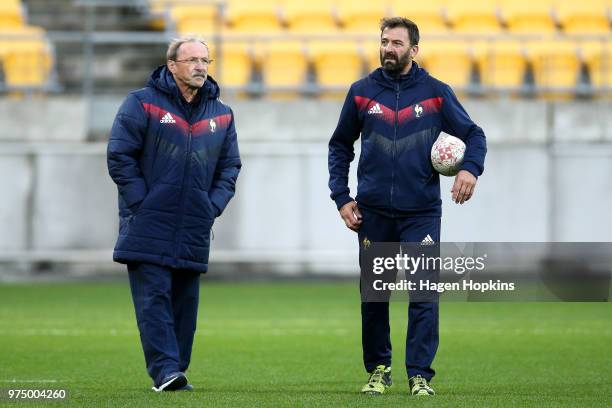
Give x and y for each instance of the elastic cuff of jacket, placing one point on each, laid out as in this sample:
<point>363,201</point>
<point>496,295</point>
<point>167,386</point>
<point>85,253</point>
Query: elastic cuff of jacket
<point>341,200</point>
<point>472,168</point>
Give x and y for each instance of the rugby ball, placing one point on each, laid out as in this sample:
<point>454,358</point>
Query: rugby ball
<point>447,155</point>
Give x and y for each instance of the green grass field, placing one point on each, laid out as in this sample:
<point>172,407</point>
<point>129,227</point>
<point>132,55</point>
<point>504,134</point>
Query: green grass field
<point>298,344</point>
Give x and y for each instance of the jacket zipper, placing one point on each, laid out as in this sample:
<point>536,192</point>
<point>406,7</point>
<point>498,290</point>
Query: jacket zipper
<point>394,145</point>
<point>186,172</point>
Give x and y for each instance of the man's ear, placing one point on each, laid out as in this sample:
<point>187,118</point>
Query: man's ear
<point>171,66</point>
<point>414,50</point>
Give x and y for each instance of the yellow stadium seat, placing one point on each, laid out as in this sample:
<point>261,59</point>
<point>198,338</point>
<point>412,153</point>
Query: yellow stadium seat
<point>475,16</point>
<point>337,64</point>
<point>556,66</point>
<point>528,16</point>
<point>449,61</point>
<point>12,37</point>
<point>311,17</point>
<point>361,16</point>
<point>598,59</point>
<point>502,64</point>
<point>284,64</point>
<point>27,64</point>
<point>426,14</point>
<point>11,14</point>
<point>583,17</point>
<point>253,17</point>
<point>234,64</point>
<point>200,20</point>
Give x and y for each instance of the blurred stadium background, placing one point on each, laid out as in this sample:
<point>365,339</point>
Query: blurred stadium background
<point>535,74</point>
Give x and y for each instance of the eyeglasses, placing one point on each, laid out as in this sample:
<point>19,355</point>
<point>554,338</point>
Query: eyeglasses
<point>194,61</point>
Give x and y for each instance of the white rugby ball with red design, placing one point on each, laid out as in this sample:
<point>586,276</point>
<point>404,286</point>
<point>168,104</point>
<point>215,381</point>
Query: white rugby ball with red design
<point>447,155</point>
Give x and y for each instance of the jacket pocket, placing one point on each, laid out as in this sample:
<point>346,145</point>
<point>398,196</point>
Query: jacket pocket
<point>209,205</point>
<point>199,205</point>
<point>134,209</point>
<point>124,224</point>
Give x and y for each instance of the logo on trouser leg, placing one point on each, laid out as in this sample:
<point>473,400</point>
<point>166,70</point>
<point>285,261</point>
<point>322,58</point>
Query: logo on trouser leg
<point>366,243</point>
<point>428,240</point>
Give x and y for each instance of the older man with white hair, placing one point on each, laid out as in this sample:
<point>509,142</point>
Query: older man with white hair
<point>173,153</point>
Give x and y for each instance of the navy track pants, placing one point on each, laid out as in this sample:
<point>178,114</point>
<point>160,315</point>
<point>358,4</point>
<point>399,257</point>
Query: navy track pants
<point>166,305</point>
<point>422,333</point>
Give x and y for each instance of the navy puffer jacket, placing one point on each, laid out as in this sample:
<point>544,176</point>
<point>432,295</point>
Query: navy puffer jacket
<point>175,165</point>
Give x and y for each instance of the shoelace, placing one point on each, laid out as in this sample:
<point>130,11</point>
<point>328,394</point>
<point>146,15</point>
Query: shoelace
<point>420,382</point>
<point>376,376</point>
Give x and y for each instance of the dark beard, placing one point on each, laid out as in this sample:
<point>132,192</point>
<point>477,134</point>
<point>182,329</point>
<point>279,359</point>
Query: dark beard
<point>395,68</point>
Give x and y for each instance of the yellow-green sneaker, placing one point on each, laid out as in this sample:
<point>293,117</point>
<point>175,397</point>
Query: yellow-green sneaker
<point>379,381</point>
<point>419,386</point>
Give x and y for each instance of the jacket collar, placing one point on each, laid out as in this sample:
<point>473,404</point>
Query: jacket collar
<point>414,76</point>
